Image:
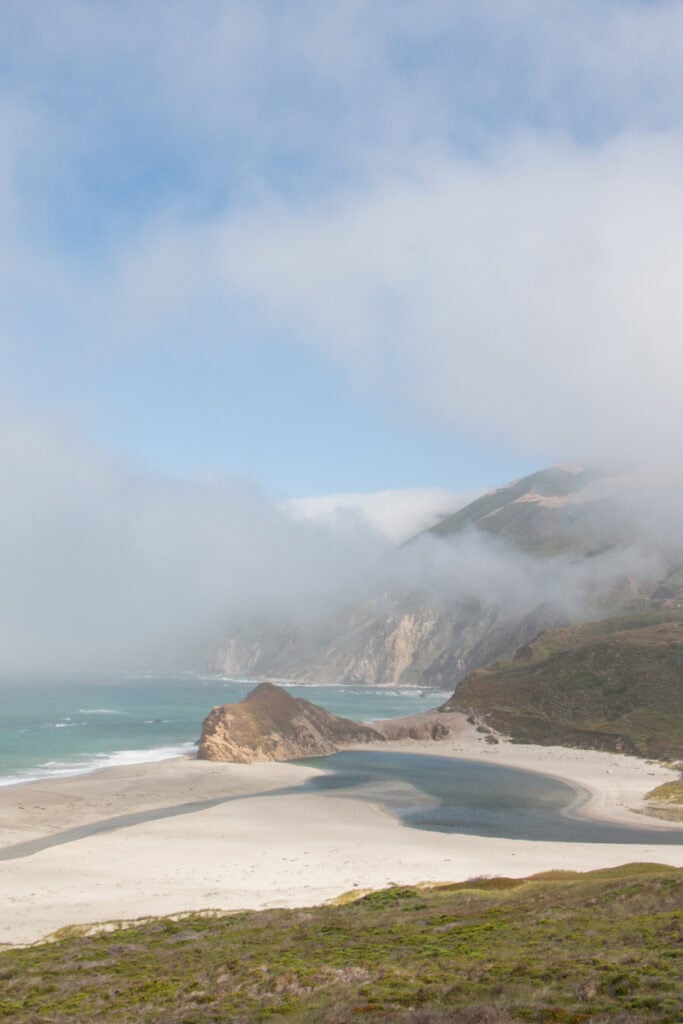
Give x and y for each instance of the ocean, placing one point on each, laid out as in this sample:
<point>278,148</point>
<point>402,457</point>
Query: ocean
<point>71,726</point>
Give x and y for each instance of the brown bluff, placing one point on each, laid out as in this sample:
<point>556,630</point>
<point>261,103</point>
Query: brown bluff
<point>272,725</point>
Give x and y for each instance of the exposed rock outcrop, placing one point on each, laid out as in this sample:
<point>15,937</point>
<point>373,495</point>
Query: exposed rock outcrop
<point>272,725</point>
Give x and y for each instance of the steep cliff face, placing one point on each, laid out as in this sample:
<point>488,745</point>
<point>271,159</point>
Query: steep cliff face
<point>388,647</point>
<point>381,642</point>
<point>420,639</point>
<point>272,725</point>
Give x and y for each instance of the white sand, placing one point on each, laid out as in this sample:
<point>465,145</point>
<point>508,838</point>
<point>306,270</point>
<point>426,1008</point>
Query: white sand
<point>281,850</point>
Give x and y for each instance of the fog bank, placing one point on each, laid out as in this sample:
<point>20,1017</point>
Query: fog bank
<point>104,567</point>
<point>107,568</point>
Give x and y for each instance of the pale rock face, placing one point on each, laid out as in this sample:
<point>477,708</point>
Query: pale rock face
<point>239,659</point>
<point>380,645</point>
<point>402,644</point>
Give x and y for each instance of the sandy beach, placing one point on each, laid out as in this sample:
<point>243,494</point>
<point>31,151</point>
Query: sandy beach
<point>219,836</point>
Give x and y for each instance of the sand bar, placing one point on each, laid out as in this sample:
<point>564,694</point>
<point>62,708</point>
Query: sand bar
<point>230,845</point>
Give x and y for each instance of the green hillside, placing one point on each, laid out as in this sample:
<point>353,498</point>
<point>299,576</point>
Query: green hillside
<point>536,514</point>
<point>561,948</point>
<point>551,482</point>
<point>616,684</point>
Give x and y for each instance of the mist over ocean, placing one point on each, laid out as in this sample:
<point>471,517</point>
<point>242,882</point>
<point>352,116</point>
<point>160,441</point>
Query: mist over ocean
<point>72,726</point>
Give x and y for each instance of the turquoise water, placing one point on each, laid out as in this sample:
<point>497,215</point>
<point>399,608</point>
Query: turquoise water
<point>71,726</point>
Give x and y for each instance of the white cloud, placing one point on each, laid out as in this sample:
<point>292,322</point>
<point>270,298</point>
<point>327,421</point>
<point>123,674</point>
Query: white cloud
<point>107,567</point>
<point>252,90</point>
<point>533,296</point>
<point>511,281</point>
<point>398,514</point>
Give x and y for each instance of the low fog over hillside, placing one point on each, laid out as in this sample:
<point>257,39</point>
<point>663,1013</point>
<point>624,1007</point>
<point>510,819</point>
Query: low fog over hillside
<point>104,567</point>
<point>564,545</point>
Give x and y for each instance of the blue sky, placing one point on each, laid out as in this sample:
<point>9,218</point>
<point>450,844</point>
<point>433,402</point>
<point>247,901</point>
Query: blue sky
<point>340,247</point>
<point>269,412</point>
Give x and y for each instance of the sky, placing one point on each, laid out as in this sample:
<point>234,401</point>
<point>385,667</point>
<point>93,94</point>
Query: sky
<point>362,248</point>
<point>341,247</point>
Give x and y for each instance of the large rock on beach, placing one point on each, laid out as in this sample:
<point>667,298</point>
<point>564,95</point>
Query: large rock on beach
<point>272,725</point>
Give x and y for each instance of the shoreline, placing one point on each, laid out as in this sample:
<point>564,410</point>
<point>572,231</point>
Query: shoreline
<point>41,772</point>
<point>102,763</point>
<point>244,839</point>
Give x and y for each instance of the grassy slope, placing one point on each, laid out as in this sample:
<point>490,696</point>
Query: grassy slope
<point>534,527</point>
<point>562,948</point>
<point>666,801</point>
<point>553,481</point>
<point>615,684</point>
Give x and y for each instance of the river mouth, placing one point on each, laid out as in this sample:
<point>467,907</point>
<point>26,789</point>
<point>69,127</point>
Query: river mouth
<point>447,794</point>
<point>438,794</point>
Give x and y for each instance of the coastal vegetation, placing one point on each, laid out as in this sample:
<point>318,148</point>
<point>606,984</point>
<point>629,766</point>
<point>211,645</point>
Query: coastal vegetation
<point>668,793</point>
<point>604,947</point>
<point>615,684</point>
<point>666,801</point>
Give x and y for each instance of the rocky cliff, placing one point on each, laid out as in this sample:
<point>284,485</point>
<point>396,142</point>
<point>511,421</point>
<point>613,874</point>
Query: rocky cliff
<point>386,641</point>
<point>272,725</point>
